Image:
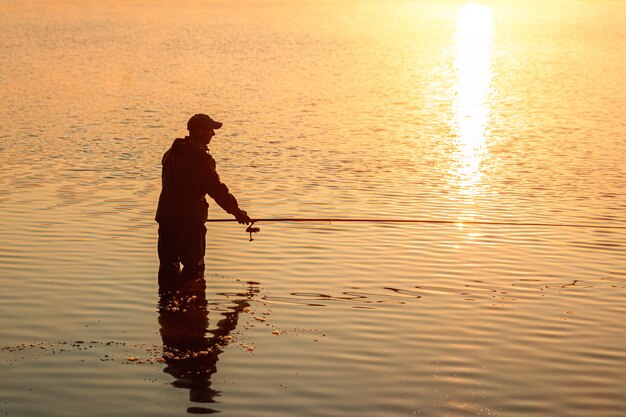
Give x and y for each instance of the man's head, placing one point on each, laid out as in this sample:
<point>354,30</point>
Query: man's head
<point>202,128</point>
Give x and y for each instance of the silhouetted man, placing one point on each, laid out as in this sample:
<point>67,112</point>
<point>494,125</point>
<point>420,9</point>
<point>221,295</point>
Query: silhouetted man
<point>188,175</point>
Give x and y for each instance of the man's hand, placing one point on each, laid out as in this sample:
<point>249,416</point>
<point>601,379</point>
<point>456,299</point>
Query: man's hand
<point>242,217</point>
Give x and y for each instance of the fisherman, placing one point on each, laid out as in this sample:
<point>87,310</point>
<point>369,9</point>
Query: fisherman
<point>189,174</point>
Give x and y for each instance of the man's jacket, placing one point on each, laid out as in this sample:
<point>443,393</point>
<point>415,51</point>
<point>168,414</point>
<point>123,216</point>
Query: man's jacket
<point>188,175</point>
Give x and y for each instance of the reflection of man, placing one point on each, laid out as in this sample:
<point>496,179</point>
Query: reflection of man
<point>190,349</point>
<point>189,174</point>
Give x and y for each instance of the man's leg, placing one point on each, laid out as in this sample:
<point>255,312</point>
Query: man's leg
<point>168,255</point>
<point>192,244</point>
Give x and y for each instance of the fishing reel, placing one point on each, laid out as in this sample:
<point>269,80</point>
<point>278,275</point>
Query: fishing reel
<point>251,229</point>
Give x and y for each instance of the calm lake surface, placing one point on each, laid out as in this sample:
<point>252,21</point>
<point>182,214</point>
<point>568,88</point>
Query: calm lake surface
<point>501,112</point>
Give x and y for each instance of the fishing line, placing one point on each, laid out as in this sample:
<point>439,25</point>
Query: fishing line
<point>252,229</point>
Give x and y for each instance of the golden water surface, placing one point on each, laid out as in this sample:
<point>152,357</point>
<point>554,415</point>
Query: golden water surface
<point>508,112</point>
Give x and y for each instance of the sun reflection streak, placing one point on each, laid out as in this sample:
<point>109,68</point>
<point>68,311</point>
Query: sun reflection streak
<point>473,79</point>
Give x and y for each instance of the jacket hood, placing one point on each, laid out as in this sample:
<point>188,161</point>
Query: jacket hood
<point>186,146</point>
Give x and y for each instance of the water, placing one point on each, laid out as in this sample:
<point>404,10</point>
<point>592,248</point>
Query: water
<point>430,110</point>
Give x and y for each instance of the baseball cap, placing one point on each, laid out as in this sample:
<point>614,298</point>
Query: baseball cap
<point>202,121</point>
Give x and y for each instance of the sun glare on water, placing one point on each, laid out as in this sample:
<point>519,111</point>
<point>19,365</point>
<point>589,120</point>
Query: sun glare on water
<point>473,77</point>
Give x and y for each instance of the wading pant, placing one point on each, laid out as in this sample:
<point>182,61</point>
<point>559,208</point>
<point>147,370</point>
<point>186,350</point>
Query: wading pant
<point>184,243</point>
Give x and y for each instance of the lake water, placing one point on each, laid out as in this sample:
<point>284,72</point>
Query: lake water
<point>501,112</point>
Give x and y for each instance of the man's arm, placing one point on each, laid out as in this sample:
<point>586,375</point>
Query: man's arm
<point>219,192</point>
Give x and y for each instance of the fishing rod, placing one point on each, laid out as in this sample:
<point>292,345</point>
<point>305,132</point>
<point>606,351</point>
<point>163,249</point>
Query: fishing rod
<point>251,229</point>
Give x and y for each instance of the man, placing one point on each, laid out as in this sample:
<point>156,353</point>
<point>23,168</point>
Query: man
<point>189,174</point>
